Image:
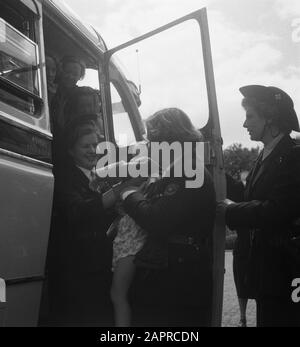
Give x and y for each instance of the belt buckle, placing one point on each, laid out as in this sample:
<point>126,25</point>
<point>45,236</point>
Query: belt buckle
<point>190,241</point>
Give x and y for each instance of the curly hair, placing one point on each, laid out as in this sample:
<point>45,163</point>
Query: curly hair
<point>72,104</point>
<point>170,125</point>
<point>79,128</point>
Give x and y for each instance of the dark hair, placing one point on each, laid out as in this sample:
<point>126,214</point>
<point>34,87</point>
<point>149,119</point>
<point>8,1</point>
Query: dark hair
<point>173,125</point>
<point>269,112</point>
<point>79,128</point>
<point>72,59</point>
<point>72,103</point>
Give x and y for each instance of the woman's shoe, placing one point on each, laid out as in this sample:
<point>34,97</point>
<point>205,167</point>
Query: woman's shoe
<point>242,323</point>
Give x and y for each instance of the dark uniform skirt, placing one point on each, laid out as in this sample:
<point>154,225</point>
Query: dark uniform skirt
<point>241,263</point>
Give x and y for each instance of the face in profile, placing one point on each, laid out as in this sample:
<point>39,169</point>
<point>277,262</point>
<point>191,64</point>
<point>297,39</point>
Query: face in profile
<point>71,74</point>
<point>255,124</point>
<point>84,151</point>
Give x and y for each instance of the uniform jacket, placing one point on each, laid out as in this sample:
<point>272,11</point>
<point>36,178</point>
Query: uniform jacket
<point>173,282</point>
<point>272,204</point>
<point>170,211</point>
<point>79,241</point>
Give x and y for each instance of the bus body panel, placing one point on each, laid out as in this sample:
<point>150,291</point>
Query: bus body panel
<point>26,203</point>
<point>23,304</point>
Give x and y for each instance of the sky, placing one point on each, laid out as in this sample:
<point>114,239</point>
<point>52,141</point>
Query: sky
<point>252,41</point>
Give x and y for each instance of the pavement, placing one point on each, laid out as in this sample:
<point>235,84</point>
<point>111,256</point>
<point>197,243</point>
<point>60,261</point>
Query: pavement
<point>231,312</point>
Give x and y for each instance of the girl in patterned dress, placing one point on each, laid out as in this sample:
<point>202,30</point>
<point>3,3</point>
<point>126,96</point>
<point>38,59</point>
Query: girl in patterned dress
<point>129,240</point>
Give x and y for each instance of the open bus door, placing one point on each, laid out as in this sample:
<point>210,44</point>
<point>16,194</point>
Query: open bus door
<point>205,98</point>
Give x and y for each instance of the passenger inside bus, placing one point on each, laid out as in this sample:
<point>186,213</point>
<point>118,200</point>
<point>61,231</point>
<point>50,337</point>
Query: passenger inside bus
<point>84,101</point>
<point>70,72</point>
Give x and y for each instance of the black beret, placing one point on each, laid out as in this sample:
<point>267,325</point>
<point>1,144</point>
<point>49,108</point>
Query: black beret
<point>275,97</point>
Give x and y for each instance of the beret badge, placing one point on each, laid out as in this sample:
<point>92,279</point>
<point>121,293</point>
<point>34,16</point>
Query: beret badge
<point>278,97</point>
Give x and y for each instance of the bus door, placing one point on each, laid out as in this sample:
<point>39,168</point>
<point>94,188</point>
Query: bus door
<point>26,180</point>
<point>173,69</point>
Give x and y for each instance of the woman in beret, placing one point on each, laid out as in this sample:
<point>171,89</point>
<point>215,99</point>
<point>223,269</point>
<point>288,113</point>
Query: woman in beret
<point>271,204</point>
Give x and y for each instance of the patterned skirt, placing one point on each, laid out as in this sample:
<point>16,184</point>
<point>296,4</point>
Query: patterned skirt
<point>129,240</point>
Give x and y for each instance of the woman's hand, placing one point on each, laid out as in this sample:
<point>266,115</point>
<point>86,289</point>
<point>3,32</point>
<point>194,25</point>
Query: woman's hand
<point>221,209</point>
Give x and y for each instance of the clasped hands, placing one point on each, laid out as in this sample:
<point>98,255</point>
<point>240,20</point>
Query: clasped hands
<point>120,189</point>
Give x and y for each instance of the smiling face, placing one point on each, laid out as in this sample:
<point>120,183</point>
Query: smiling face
<point>84,151</point>
<point>255,124</point>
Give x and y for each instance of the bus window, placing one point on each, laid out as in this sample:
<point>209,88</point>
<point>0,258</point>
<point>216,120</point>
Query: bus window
<point>19,16</point>
<point>18,69</point>
<point>123,131</point>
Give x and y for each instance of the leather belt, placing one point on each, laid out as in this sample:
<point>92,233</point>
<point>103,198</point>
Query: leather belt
<point>189,241</point>
<point>182,240</point>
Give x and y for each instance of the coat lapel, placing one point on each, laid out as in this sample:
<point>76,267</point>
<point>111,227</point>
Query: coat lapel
<point>80,177</point>
<point>272,161</point>
<point>252,174</point>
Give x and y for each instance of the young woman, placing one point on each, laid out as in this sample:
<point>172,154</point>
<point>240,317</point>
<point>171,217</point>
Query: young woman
<point>271,204</point>
<point>173,268</point>
<point>80,252</point>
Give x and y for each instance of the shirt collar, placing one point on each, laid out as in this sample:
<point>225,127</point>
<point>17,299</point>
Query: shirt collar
<point>86,172</point>
<point>270,146</point>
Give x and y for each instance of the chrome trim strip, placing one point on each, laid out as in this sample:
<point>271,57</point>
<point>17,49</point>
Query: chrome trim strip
<point>25,158</point>
<point>24,280</point>
<point>18,32</point>
<point>23,125</point>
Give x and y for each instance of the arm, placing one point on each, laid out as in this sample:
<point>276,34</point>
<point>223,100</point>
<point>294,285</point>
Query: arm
<point>280,208</point>
<point>83,206</point>
<point>168,212</point>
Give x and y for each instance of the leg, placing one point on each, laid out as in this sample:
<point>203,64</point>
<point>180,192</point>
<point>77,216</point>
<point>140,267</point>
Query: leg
<point>122,278</point>
<point>239,270</point>
<point>243,309</point>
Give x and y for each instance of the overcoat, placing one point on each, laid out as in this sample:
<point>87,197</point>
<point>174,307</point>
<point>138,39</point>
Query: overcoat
<point>80,253</point>
<point>173,283</point>
<point>270,209</point>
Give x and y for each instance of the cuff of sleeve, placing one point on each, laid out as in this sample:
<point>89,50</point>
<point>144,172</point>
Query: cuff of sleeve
<point>231,218</point>
<point>125,194</point>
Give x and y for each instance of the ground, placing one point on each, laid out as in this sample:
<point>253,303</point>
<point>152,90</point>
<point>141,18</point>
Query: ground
<point>231,315</point>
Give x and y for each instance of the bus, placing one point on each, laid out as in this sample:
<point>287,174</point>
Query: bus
<point>30,30</point>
